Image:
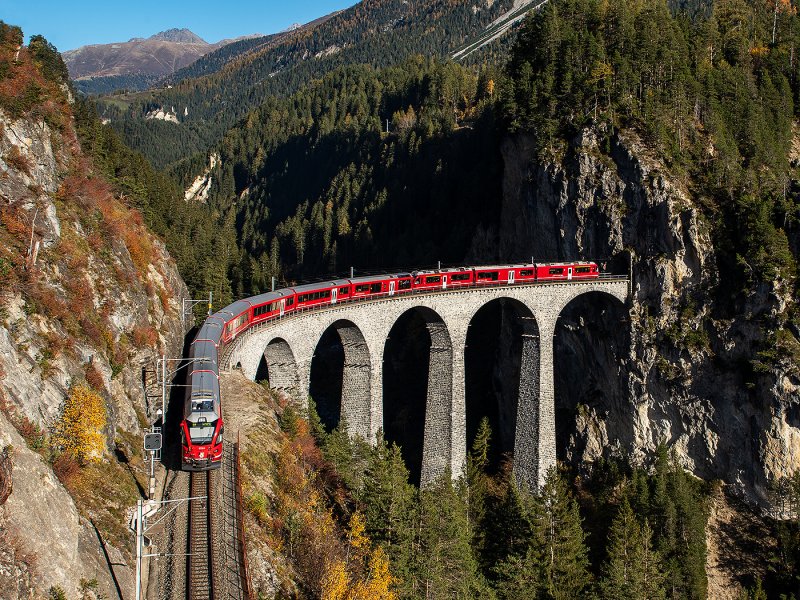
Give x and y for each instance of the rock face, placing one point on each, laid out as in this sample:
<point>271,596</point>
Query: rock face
<point>668,368</point>
<point>87,294</point>
<point>52,543</point>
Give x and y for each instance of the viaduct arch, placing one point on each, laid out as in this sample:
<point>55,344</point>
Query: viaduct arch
<point>287,347</point>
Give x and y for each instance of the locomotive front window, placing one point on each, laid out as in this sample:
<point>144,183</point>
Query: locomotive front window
<point>556,271</point>
<point>201,433</point>
<point>433,279</point>
<point>404,284</point>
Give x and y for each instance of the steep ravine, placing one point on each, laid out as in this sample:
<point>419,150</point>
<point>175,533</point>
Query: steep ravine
<point>668,368</point>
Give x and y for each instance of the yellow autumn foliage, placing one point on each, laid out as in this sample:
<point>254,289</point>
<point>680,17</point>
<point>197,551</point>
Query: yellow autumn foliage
<point>335,582</point>
<point>376,581</point>
<point>79,431</point>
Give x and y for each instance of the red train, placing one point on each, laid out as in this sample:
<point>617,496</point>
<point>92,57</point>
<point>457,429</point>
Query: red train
<point>202,427</point>
<point>245,313</point>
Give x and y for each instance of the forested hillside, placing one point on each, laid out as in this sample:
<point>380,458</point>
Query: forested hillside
<point>319,184</point>
<point>715,97</point>
<point>378,33</point>
<point>365,197</point>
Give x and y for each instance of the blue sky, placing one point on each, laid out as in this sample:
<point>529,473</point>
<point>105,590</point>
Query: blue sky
<point>69,24</point>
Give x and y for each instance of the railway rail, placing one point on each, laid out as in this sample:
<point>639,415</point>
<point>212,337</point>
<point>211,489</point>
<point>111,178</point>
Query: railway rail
<point>200,571</point>
<point>233,550</point>
<point>216,565</point>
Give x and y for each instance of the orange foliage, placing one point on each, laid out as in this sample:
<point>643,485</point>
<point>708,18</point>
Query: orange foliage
<point>12,222</point>
<point>79,431</point>
<point>15,160</point>
<point>94,378</point>
<point>145,336</point>
<point>66,468</point>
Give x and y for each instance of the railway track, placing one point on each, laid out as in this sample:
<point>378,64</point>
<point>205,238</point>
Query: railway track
<point>200,572</point>
<point>236,585</point>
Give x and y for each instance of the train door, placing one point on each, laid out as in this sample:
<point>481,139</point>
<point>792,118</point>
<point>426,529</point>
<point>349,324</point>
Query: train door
<point>569,274</point>
<point>333,295</point>
<point>511,276</point>
<point>391,288</point>
<point>444,282</point>
<point>283,305</point>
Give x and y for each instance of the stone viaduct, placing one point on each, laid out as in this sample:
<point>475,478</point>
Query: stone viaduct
<point>288,346</point>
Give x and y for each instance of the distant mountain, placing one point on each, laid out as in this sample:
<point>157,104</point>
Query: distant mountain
<point>136,64</point>
<point>179,36</point>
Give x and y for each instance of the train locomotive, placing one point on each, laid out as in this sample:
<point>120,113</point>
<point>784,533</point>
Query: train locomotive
<point>202,427</point>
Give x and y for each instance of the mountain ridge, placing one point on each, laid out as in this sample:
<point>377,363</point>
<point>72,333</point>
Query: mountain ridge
<point>137,63</point>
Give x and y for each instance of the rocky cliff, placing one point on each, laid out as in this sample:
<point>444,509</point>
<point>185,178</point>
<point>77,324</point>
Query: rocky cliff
<point>89,296</point>
<point>676,366</point>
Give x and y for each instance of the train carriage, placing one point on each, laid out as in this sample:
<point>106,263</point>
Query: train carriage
<point>566,271</point>
<point>497,274</point>
<point>380,285</point>
<point>317,294</point>
<point>271,305</point>
<point>237,319</point>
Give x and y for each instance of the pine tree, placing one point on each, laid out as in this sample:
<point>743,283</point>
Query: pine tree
<point>506,534</point>
<point>445,566</point>
<point>632,571</point>
<point>388,499</point>
<point>557,532</point>
<point>478,481</point>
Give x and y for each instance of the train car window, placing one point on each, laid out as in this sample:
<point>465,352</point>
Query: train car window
<point>290,302</point>
<point>556,271</point>
<point>418,280</point>
<point>526,273</point>
<point>432,279</point>
<point>344,291</point>
<point>362,288</point>
<point>375,288</point>
<point>460,277</point>
<point>260,310</point>
<point>492,275</point>
<point>404,284</point>
<point>582,270</point>
<point>325,294</point>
